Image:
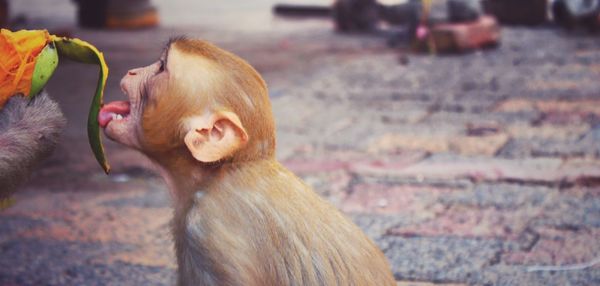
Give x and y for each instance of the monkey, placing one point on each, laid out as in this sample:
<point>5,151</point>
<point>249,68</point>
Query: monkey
<point>203,116</point>
<point>29,131</point>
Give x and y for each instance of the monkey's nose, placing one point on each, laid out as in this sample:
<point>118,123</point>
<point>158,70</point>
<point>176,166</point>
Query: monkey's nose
<point>134,71</point>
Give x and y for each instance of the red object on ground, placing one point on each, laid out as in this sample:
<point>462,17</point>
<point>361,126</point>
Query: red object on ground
<point>466,36</point>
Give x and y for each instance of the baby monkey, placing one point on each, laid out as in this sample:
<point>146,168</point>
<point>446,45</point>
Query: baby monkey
<point>203,116</point>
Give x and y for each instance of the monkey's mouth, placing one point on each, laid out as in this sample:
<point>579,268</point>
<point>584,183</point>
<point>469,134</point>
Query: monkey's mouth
<point>116,110</point>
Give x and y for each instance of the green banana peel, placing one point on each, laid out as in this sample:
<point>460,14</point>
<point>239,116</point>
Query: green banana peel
<point>84,52</point>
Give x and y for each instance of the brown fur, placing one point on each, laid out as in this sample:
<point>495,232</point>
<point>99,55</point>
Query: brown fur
<point>258,224</point>
<point>243,220</point>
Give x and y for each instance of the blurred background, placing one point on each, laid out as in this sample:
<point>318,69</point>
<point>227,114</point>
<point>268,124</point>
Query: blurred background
<point>462,136</point>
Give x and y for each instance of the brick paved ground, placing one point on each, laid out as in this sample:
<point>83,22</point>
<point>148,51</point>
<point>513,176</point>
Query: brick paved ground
<point>465,169</point>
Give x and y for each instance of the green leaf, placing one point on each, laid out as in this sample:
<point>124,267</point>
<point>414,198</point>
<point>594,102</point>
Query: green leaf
<point>45,65</point>
<point>84,52</point>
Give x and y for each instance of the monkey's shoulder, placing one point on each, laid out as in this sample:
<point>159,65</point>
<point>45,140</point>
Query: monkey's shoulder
<point>285,231</point>
<point>280,204</point>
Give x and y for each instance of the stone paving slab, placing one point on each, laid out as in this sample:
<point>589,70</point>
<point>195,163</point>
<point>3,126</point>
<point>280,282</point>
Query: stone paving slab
<point>504,196</point>
<point>440,259</point>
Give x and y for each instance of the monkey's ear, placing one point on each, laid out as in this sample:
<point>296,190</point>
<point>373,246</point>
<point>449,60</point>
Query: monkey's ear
<point>214,137</point>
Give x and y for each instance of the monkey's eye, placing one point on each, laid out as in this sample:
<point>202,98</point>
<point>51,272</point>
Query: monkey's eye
<point>161,68</point>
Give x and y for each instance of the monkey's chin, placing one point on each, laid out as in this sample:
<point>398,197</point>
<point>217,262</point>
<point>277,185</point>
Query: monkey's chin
<point>113,132</point>
<point>121,132</point>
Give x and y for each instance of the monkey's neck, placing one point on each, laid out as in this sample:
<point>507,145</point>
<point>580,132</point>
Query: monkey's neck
<point>185,178</point>
<point>183,185</point>
<point>183,175</point>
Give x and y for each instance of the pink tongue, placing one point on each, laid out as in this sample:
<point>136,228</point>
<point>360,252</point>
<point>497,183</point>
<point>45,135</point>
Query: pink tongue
<point>115,107</point>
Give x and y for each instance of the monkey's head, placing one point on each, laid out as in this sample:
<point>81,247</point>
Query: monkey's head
<point>196,104</point>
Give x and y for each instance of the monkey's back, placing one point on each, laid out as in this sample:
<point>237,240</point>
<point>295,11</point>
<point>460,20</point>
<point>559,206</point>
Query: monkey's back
<point>274,230</point>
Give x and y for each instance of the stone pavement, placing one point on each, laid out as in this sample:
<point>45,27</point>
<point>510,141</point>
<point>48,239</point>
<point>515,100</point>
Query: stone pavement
<point>471,169</point>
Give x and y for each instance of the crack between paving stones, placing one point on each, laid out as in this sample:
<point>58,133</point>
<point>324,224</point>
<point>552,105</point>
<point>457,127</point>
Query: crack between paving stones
<point>523,182</point>
<point>567,267</point>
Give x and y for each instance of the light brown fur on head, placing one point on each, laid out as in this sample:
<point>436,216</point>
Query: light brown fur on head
<point>213,80</point>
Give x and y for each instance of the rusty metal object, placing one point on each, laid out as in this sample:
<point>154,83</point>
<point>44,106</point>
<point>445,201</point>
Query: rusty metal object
<point>131,14</point>
<point>113,14</point>
<point>459,37</point>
